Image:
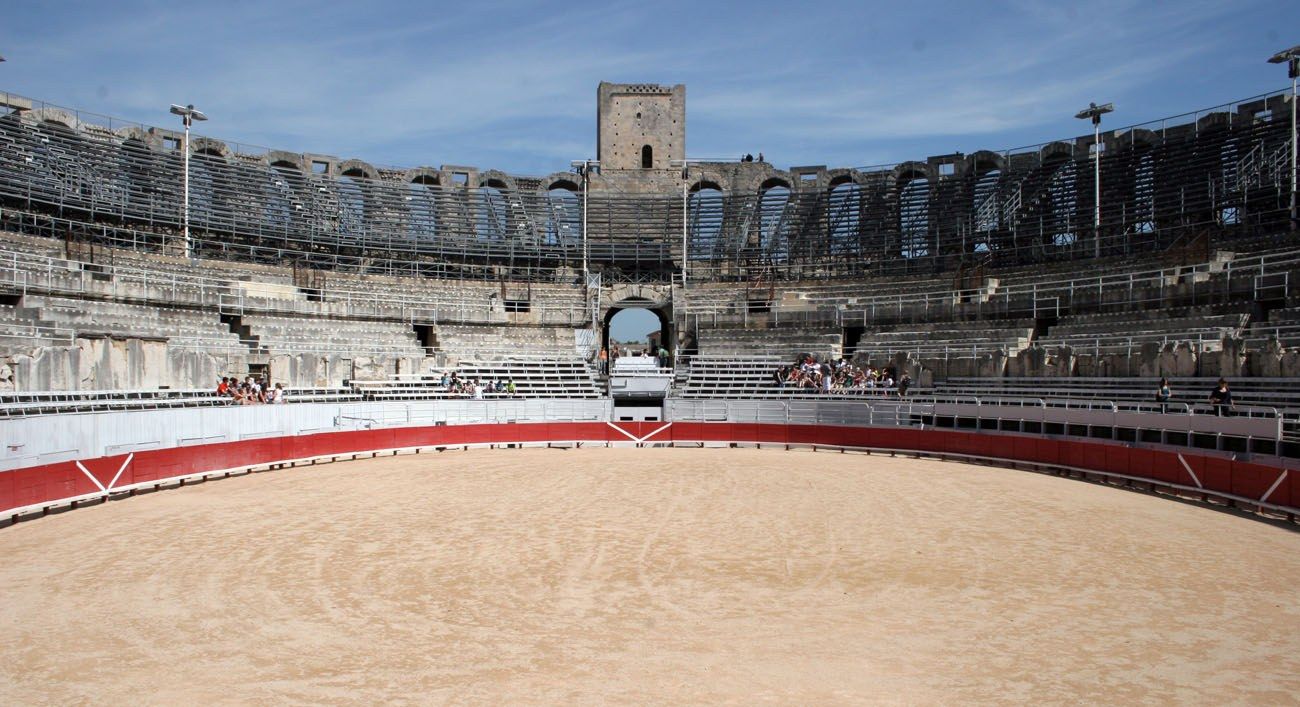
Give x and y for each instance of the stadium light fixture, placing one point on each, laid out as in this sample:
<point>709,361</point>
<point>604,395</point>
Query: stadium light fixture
<point>1291,57</point>
<point>686,180</point>
<point>584,167</point>
<point>188,115</point>
<point>1094,112</point>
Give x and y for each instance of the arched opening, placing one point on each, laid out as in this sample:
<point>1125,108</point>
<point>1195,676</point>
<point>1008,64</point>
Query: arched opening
<point>1144,191</point>
<point>1062,189</point>
<point>352,206</point>
<point>988,210</point>
<point>774,196</point>
<point>139,164</point>
<point>637,328</point>
<point>492,222</point>
<point>422,210</point>
<point>704,212</point>
<point>914,216</point>
<point>564,217</point>
<point>843,218</point>
<point>647,157</point>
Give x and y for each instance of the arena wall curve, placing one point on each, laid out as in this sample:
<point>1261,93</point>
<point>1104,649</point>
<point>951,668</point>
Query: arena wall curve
<point>94,465</point>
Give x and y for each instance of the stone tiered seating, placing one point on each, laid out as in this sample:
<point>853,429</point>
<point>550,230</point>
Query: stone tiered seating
<point>485,342</point>
<point>1270,392</point>
<point>21,330</point>
<point>95,317</point>
<point>1110,332</point>
<point>1283,325</point>
<point>781,342</point>
<point>327,335</point>
<point>534,377</point>
<point>27,404</point>
<point>753,377</point>
<point>953,339</point>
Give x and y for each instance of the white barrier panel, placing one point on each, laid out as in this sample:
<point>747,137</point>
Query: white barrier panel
<point>32,441</point>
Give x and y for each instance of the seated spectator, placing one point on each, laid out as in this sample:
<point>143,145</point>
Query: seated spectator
<point>223,388</point>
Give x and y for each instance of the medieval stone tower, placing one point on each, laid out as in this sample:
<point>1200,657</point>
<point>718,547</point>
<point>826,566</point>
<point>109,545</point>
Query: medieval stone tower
<point>640,126</point>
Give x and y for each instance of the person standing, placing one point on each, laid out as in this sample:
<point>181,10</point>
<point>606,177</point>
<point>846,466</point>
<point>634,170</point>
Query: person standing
<point>1163,394</point>
<point>604,361</point>
<point>1221,399</point>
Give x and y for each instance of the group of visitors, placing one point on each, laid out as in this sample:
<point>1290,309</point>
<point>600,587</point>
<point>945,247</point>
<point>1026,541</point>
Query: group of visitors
<point>1220,397</point>
<point>475,388</point>
<point>610,356</point>
<point>250,391</point>
<point>841,375</point>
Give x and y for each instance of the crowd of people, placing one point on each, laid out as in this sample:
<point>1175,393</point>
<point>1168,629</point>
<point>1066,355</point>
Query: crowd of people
<point>250,391</point>
<point>475,388</point>
<point>841,375</point>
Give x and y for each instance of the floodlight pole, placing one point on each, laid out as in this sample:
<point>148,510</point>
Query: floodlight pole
<point>585,166</point>
<point>686,176</point>
<point>188,115</point>
<point>1095,112</point>
<point>1291,57</point>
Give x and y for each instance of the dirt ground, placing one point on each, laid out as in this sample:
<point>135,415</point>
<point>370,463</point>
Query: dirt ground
<point>648,576</point>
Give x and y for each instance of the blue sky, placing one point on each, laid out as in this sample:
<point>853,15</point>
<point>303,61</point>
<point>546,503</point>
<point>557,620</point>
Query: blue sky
<point>513,85</point>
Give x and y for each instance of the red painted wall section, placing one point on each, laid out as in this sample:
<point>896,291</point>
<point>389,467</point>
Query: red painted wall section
<point>51,483</point>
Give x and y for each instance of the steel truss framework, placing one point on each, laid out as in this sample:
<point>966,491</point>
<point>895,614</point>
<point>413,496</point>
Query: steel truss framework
<point>1220,172</point>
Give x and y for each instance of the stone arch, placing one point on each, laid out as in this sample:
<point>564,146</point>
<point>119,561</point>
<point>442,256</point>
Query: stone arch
<point>1142,137</point>
<point>907,171</point>
<point>357,169</point>
<point>774,183</point>
<point>208,146</point>
<point>286,160</point>
<point>497,179</point>
<point>1054,151</point>
<point>565,183</point>
<point>144,137</point>
<point>427,176</point>
<point>983,161</point>
<point>703,184</point>
<point>1214,121</point>
<point>839,178</point>
<point>57,116</point>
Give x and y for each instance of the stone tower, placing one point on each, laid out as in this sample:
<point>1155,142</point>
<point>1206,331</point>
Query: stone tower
<point>640,126</point>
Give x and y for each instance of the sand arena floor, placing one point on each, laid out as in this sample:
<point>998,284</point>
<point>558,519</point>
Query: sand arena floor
<point>648,576</point>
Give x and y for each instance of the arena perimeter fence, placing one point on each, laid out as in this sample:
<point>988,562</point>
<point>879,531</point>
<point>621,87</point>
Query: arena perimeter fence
<point>67,460</point>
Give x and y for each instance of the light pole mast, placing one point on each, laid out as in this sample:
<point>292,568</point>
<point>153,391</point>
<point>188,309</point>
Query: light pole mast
<point>188,115</point>
<point>1292,59</point>
<point>1095,112</point>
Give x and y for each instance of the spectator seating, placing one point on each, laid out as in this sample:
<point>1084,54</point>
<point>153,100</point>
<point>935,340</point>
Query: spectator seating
<point>534,377</point>
<point>322,334</point>
<point>1110,332</point>
<point>753,377</point>
<point>477,342</point>
<point>779,342</point>
<point>27,404</point>
<point>947,338</point>
<point>86,317</point>
<point>1269,392</point>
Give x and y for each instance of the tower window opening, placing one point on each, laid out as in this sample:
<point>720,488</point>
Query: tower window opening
<point>647,157</point>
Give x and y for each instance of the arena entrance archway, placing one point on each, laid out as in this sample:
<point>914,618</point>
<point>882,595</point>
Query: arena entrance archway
<point>660,311</point>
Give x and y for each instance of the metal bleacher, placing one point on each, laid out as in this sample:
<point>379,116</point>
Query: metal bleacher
<point>533,377</point>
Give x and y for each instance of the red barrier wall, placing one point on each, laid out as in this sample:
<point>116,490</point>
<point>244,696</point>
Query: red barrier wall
<point>53,483</point>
